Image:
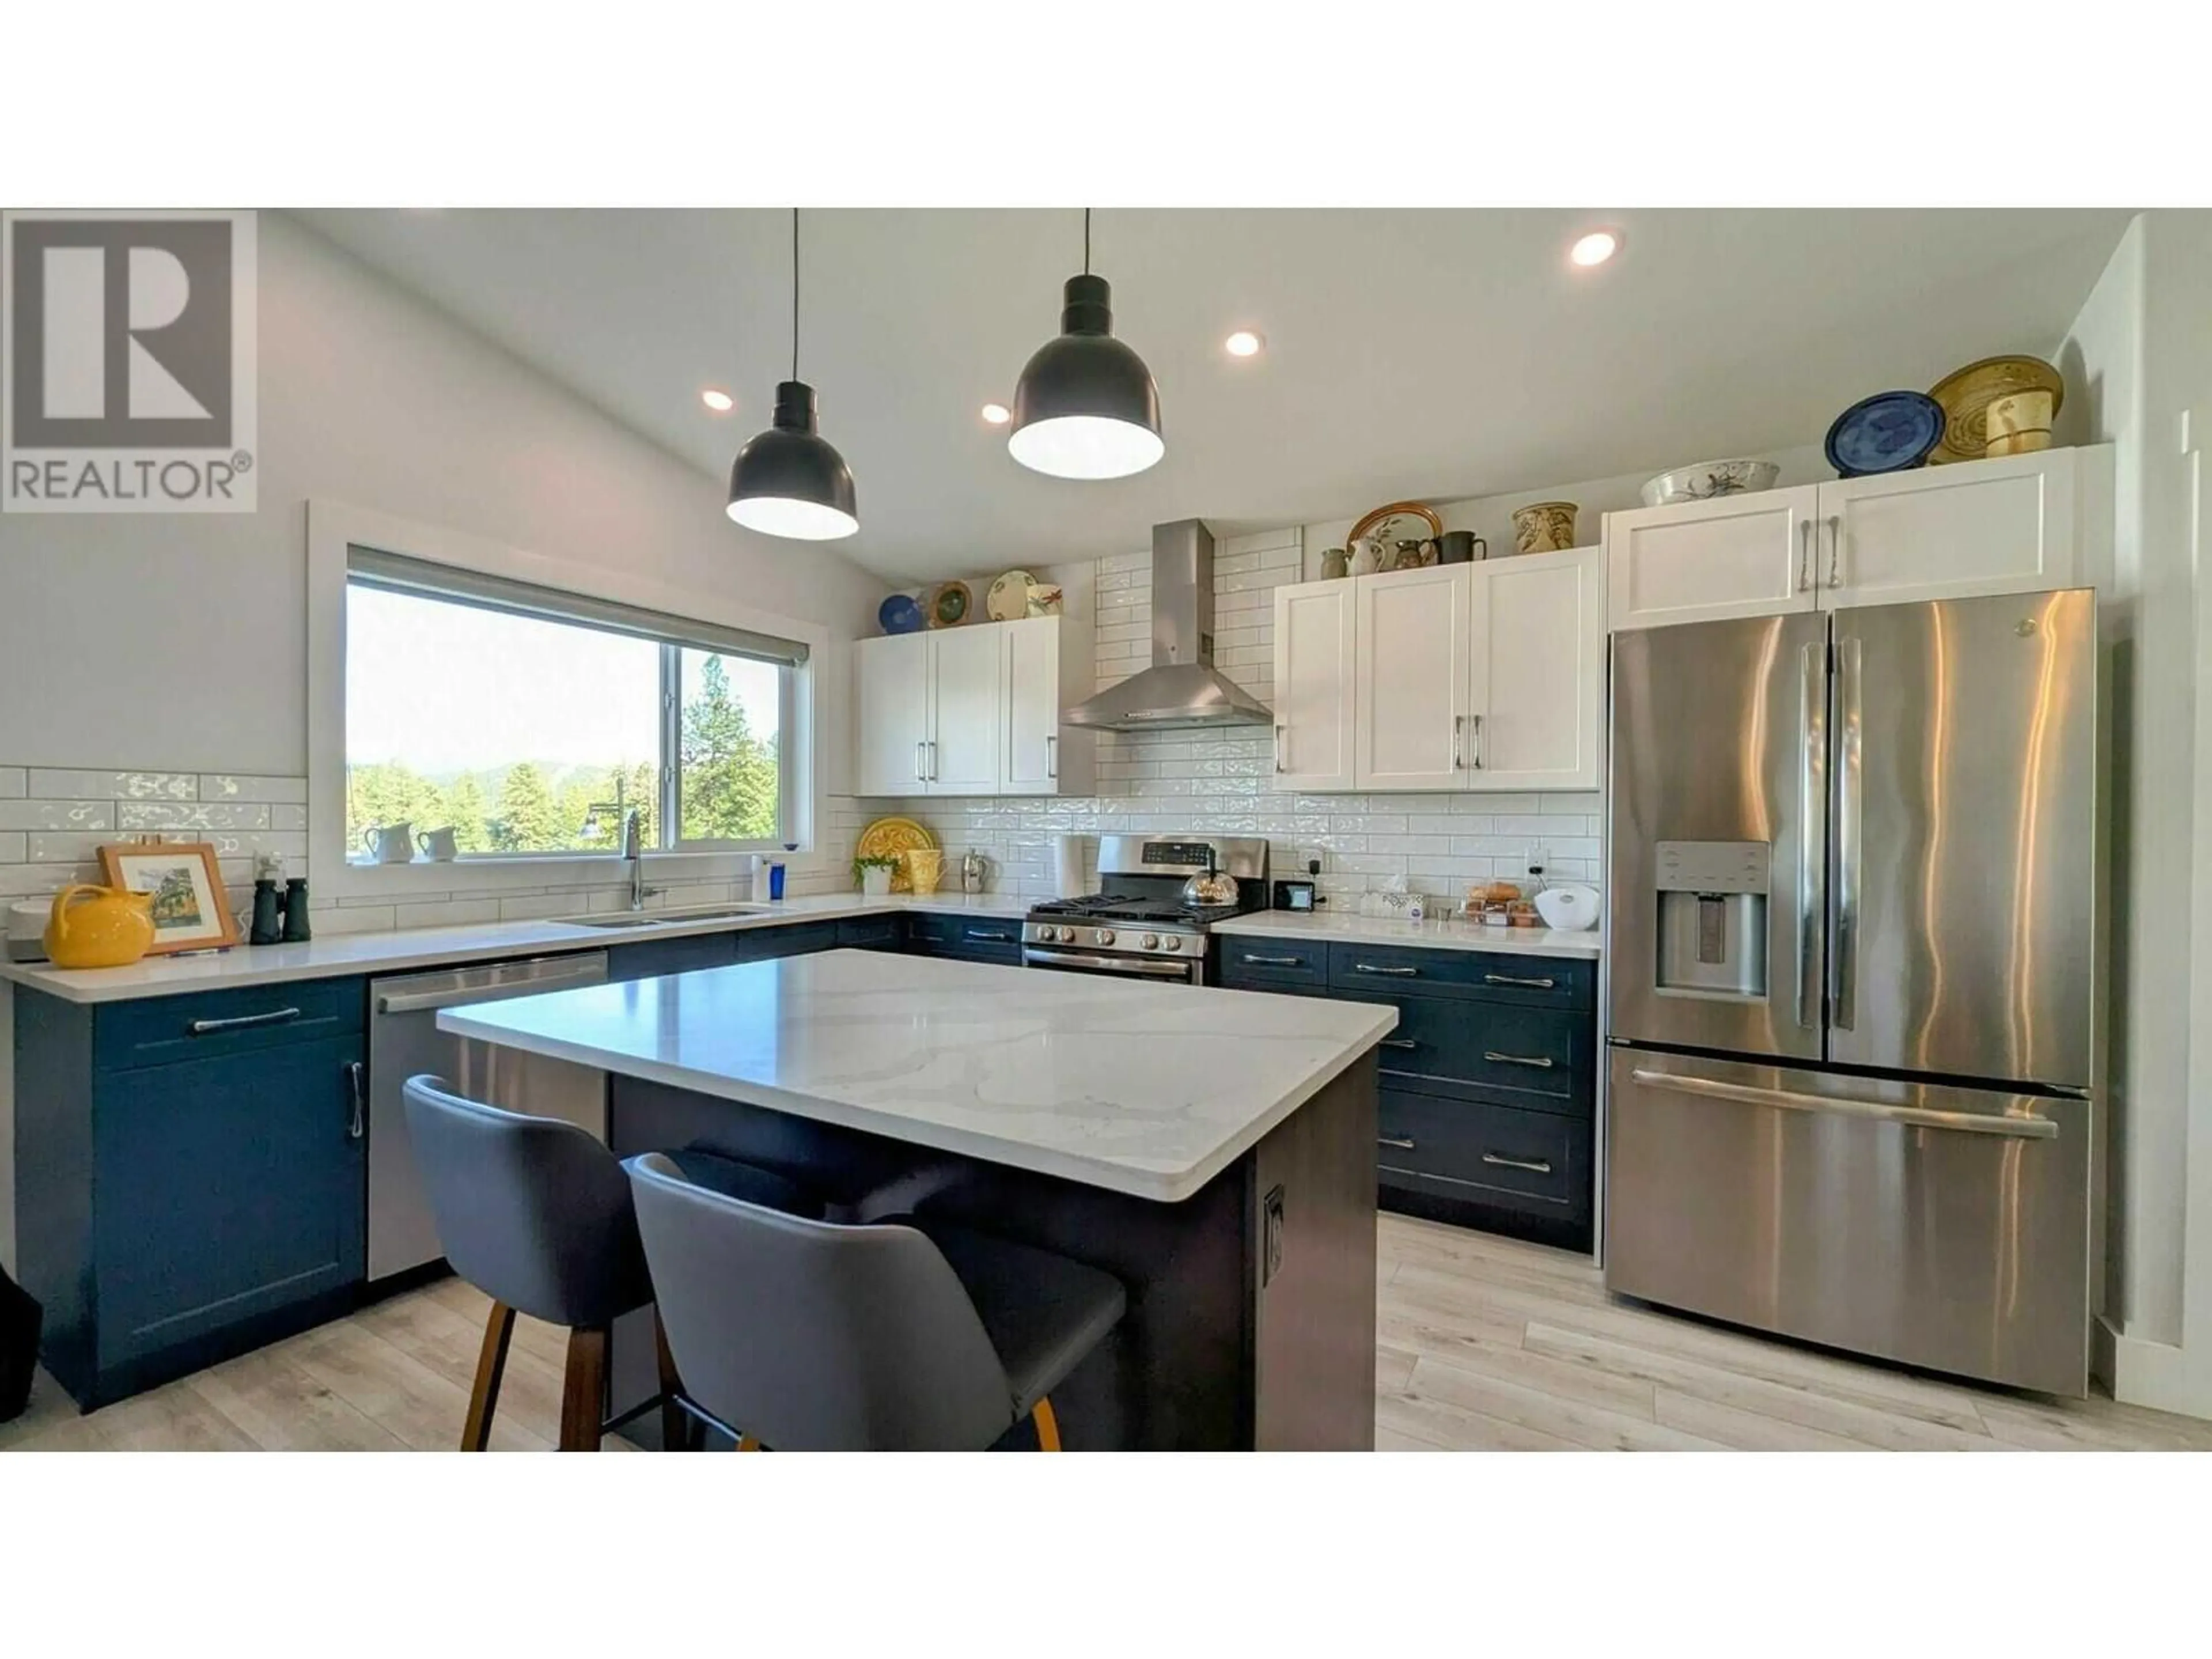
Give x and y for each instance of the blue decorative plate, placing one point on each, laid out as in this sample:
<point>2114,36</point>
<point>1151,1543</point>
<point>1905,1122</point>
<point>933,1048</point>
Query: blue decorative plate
<point>899,614</point>
<point>1889,432</point>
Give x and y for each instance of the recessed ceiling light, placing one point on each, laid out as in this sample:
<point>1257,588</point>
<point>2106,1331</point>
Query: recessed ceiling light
<point>997,414</point>
<point>1595,248</point>
<point>719,401</point>
<point>1243,343</point>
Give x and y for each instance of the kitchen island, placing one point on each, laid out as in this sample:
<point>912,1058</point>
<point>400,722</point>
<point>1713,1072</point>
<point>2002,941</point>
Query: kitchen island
<point>1215,1151</point>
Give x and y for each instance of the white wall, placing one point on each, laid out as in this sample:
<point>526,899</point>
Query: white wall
<point>371,396</point>
<point>2138,364</point>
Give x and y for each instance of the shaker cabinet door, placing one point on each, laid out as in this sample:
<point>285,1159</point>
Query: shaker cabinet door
<point>1029,764</point>
<point>1314,659</point>
<point>890,715</point>
<point>1945,532</point>
<point>1735,555</point>
<point>967,712</point>
<point>1535,705</point>
<point>1410,695</point>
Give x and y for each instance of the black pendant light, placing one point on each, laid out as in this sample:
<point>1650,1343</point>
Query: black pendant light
<point>1085,406</point>
<point>789,480</point>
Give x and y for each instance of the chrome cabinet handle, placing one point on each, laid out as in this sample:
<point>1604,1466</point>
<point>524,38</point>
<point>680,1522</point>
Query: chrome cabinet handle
<point>978,933</point>
<point>1396,973</point>
<point>1476,763</point>
<point>1804,554</point>
<point>1273,962</point>
<point>920,775</point>
<point>1459,726</point>
<point>932,760</point>
<point>1393,1140</point>
<point>1880,1111</point>
<point>1513,979</point>
<point>357,1082</point>
<point>1052,755</point>
<point>1398,1042</point>
<point>242,1022</point>
<point>1538,1061</point>
<point>1279,746</point>
<point>1812,830</point>
<point>1534,1165</point>
<point>1844,994</point>
<point>1835,551</point>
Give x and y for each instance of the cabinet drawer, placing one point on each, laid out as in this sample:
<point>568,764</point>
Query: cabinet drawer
<point>1465,1046</point>
<point>988,933</point>
<point>1272,964</point>
<point>207,1025</point>
<point>1483,1153</point>
<point>872,932</point>
<point>793,939</point>
<point>1398,970</point>
<point>670,955</point>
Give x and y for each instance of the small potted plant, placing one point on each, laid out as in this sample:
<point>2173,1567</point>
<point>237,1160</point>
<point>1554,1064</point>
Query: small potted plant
<point>874,875</point>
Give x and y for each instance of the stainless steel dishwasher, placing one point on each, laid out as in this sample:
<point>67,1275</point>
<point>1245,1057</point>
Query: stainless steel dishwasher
<point>403,1040</point>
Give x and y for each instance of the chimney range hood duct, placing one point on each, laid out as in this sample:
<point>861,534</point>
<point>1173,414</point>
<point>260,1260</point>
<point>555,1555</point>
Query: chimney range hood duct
<point>1182,688</point>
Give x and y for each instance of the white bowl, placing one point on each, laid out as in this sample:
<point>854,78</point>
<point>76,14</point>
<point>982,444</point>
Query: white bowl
<point>1708,479</point>
<point>1570,908</point>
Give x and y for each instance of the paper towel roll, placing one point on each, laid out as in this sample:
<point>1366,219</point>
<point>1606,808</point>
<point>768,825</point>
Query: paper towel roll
<point>1067,878</point>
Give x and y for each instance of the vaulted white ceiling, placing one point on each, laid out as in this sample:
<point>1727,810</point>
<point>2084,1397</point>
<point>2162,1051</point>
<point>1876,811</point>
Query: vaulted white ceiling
<point>1409,354</point>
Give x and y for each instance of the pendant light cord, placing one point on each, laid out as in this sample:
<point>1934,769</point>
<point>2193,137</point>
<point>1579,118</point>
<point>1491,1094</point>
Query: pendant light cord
<point>794,288</point>
<point>1086,241</point>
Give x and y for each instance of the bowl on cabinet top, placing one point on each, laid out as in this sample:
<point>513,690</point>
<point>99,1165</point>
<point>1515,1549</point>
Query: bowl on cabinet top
<point>1709,479</point>
<point>1570,907</point>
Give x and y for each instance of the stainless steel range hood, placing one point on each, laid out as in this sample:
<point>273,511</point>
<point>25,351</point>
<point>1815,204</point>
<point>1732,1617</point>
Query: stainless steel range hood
<point>1182,688</point>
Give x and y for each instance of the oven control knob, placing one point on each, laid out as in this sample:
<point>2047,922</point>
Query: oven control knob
<point>1068,936</point>
<point>1151,941</point>
<point>1173,941</point>
<point>1103,936</point>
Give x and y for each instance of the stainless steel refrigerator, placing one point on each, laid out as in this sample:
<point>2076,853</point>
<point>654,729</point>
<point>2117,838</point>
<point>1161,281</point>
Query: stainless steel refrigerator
<point>1851,1026</point>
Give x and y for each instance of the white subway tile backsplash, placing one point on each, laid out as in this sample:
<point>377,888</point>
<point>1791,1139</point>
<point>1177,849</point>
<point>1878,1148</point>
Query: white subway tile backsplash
<point>57,815</point>
<point>191,815</point>
<point>49,781</point>
<point>63,846</point>
<point>13,846</point>
<point>14,782</point>
<point>238,785</point>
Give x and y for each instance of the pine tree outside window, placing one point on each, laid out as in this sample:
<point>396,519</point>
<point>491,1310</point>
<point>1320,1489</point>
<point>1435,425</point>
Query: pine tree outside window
<point>477,703</point>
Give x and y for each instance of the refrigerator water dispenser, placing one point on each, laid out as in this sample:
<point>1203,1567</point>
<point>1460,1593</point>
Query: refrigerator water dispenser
<point>1712,918</point>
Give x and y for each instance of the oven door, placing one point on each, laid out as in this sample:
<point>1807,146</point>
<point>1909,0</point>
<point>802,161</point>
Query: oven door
<point>1180,970</point>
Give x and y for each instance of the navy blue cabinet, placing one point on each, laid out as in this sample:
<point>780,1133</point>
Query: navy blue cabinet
<point>792,939</point>
<point>966,938</point>
<point>655,957</point>
<point>191,1174</point>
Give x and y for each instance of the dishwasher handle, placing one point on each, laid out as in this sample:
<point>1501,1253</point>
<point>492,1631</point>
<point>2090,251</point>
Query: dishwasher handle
<point>594,972</point>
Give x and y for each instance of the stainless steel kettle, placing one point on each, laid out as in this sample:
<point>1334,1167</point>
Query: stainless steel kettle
<point>1213,888</point>
<point>972,871</point>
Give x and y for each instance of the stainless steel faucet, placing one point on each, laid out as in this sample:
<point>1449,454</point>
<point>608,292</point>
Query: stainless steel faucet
<point>633,850</point>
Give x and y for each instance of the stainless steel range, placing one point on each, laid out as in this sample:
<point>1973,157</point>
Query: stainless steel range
<point>1141,922</point>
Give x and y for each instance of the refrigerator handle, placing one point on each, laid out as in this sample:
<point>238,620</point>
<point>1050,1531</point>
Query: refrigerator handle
<point>1844,993</point>
<point>1812,823</point>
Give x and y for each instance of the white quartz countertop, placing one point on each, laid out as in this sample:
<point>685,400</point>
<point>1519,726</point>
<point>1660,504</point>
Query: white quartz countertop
<point>1148,1089</point>
<point>1440,935</point>
<point>430,947</point>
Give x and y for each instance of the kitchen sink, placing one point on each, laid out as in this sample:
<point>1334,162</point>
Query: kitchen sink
<point>667,918</point>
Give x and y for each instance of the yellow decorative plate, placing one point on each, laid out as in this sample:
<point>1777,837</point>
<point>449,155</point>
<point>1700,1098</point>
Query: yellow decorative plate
<point>886,838</point>
<point>1966,395</point>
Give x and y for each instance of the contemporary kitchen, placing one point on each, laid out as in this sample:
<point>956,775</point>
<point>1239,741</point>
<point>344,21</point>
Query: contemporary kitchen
<point>960,829</point>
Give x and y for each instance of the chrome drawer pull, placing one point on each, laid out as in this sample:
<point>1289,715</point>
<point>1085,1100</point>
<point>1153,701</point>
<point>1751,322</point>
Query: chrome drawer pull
<point>1512,979</point>
<point>1273,961</point>
<point>1497,1058</point>
<point>1532,1165</point>
<point>1399,1043</point>
<point>999,939</point>
<point>1393,1140</point>
<point>240,1021</point>
<point>1398,973</point>
<point>358,1078</point>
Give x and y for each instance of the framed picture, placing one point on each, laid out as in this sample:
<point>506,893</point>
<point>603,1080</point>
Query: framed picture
<point>191,912</point>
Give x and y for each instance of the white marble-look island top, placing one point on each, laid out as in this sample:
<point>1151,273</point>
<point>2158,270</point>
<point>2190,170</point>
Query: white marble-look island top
<point>1146,1089</point>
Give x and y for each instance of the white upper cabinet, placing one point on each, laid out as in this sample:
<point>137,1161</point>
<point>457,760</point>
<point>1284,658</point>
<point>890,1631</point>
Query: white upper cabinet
<point>891,716</point>
<point>1409,701</point>
<point>1313,661</point>
<point>1043,677</point>
<point>967,712</point>
<point>1536,674</point>
<point>1735,555</point>
<point>1938,532</point>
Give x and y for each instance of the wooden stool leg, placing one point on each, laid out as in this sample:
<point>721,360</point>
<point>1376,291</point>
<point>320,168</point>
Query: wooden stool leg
<point>491,1365</point>
<point>679,1432</point>
<point>583,1391</point>
<point>1048,1426</point>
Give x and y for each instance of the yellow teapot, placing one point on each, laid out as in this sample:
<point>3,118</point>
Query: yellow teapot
<point>109,929</point>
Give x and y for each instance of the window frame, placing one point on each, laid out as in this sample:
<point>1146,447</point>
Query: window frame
<point>334,528</point>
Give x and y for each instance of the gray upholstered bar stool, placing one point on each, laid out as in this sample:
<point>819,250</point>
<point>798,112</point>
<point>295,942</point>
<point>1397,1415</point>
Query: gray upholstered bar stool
<point>537,1214</point>
<point>823,1336</point>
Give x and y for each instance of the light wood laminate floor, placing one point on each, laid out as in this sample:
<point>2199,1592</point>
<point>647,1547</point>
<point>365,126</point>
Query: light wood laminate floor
<point>1482,1344</point>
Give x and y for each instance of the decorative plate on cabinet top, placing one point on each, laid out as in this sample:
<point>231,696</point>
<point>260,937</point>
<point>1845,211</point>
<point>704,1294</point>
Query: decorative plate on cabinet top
<point>899,614</point>
<point>886,838</point>
<point>950,604</point>
<point>1008,597</point>
<point>1967,394</point>
<point>1384,524</point>
<point>1889,432</point>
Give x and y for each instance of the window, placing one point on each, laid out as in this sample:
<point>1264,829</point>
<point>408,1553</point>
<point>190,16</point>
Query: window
<point>535,722</point>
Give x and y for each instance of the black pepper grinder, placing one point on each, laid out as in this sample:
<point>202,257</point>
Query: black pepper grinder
<point>267,913</point>
<point>296,930</point>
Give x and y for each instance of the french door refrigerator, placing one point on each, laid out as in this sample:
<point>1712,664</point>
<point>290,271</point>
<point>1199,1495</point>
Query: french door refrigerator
<point>1852,957</point>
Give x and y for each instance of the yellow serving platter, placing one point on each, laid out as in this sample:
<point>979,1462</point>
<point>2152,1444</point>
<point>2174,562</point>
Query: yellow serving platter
<point>1966,395</point>
<point>886,838</point>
